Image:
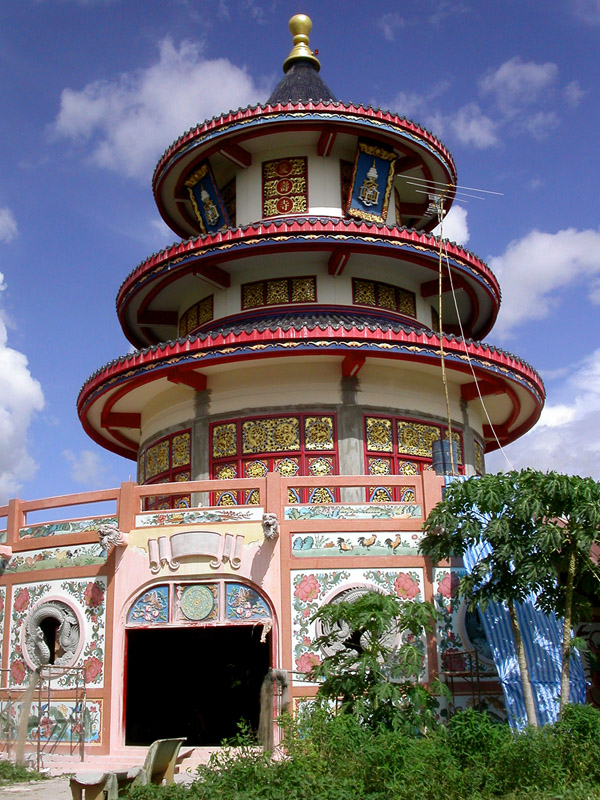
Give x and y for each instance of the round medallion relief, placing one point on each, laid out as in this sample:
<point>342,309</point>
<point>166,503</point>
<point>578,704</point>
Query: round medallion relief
<point>197,602</point>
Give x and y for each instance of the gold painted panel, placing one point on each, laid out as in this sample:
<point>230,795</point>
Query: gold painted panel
<point>277,292</point>
<point>224,440</point>
<point>255,469</point>
<point>416,438</point>
<point>181,450</point>
<point>379,435</point>
<point>253,295</point>
<point>318,433</point>
<point>387,296</point>
<point>364,293</point>
<point>407,303</point>
<point>287,467</point>
<point>379,466</point>
<point>304,290</point>
<point>320,466</point>
<point>226,472</point>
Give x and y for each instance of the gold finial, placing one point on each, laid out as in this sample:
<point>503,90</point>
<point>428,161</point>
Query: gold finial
<point>300,26</point>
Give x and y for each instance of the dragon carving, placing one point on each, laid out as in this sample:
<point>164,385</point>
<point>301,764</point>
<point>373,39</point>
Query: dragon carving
<point>67,634</point>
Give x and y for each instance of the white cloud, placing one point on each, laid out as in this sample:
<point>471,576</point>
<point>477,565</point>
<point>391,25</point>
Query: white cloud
<point>587,10</point>
<point>445,9</point>
<point>20,397</point>
<point>517,84</point>
<point>86,467</point>
<point>540,123</point>
<point>472,127</point>
<point>129,120</point>
<point>8,225</point>
<point>567,436</point>
<point>455,226</point>
<point>389,24</point>
<point>534,268</point>
<point>573,94</point>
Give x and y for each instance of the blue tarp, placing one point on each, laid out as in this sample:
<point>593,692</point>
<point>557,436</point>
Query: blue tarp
<point>542,637</point>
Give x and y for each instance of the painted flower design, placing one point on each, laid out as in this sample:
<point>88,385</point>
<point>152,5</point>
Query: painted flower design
<point>449,585</point>
<point>406,587</point>
<point>92,667</point>
<point>46,726</point>
<point>308,589</point>
<point>17,670</point>
<point>22,600</point>
<point>93,595</point>
<point>307,661</point>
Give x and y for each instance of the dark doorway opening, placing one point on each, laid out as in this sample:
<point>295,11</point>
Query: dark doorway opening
<point>194,682</point>
<point>49,627</point>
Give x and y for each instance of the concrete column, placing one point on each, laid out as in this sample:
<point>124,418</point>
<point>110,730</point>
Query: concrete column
<point>468,441</point>
<point>200,445</point>
<point>350,439</point>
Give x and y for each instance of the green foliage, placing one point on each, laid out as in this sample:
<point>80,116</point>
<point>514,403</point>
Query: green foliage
<point>338,758</point>
<point>540,527</point>
<point>17,773</point>
<point>369,674</point>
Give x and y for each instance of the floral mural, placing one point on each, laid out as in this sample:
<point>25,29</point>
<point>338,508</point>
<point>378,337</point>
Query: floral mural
<point>310,589</point>
<point>59,721</point>
<point>452,633</point>
<point>89,596</point>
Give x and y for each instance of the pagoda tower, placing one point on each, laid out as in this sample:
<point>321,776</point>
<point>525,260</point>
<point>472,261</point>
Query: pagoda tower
<point>296,326</point>
<point>301,354</point>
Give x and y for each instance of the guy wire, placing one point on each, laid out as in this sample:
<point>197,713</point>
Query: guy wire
<point>440,212</point>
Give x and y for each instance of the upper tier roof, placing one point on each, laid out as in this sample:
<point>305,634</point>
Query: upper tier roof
<point>300,84</point>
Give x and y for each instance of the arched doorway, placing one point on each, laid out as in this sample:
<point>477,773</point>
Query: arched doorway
<point>196,656</point>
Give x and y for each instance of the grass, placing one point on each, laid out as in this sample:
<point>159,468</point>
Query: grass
<point>17,773</point>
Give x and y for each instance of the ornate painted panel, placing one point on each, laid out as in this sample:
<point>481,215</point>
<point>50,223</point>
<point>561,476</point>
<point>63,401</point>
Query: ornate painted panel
<point>198,515</point>
<point>398,446</point>
<point>206,199</point>
<point>62,721</point>
<point>310,589</point>
<point>244,602</point>
<point>340,511</point>
<point>151,608</point>
<point>372,181</point>
<point>59,528</point>
<point>291,445</point>
<point>478,458</point>
<point>200,602</point>
<point>166,461</point>
<point>458,629</point>
<point>228,193</point>
<point>285,186</point>
<point>87,597</point>
<point>279,291</point>
<point>370,543</point>
<point>197,602</point>
<point>196,315</point>
<point>383,295</point>
<point>57,557</point>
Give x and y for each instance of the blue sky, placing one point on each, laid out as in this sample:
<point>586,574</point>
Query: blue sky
<point>93,91</point>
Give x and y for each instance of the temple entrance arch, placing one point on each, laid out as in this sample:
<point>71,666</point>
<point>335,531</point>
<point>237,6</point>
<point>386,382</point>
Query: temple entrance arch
<point>196,654</point>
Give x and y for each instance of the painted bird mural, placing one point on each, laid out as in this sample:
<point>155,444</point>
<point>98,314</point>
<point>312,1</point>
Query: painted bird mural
<point>367,542</point>
<point>344,546</point>
<point>394,544</point>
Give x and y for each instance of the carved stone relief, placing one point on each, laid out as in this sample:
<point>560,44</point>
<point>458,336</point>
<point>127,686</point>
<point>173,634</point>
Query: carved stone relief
<point>66,644</point>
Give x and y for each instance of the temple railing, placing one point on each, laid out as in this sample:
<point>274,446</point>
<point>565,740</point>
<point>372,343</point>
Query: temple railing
<point>26,519</point>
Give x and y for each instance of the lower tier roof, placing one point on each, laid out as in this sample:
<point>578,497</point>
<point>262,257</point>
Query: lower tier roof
<point>112,401</point>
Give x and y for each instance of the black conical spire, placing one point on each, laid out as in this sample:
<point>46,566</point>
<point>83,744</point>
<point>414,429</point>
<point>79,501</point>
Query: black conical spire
<point>301,81</point>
